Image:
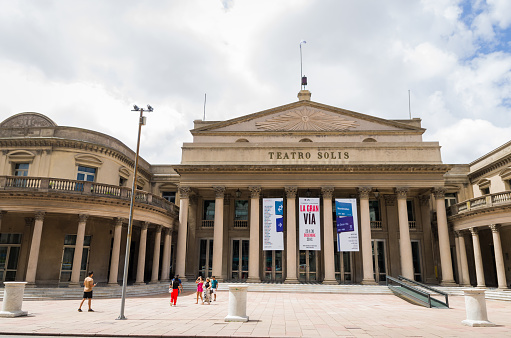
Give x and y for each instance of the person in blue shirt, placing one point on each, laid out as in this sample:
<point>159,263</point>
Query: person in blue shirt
<point>214,286</point>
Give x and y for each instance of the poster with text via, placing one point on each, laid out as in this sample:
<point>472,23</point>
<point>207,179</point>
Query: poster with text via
<point>309,223</point>
<point>347,224</point>
<point>273,224</point>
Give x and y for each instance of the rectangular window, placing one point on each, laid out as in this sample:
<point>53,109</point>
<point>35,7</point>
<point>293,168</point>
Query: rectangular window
<point>122,181</point>
<point>68,256</point>
<point>169,196</point>
<point>450,200</point>
<point>10,246</point>
<point>374,210</point>
<point>411,210</point>
<point>485,191</point>
<point>209,210</point>
<point>241,210</point>
<point>86,174</point>
<point>21,169</point>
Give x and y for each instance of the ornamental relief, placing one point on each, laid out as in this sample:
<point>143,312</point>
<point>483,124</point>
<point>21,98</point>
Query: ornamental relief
<point>306,119</point>
<point>27,120</point>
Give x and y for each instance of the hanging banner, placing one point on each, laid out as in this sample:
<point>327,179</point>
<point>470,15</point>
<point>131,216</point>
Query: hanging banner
<point>309,221</point>
<point>347,224</point>
<point>273,224</point>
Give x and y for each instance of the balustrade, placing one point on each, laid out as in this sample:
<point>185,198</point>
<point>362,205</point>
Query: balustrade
<point>485,201</point>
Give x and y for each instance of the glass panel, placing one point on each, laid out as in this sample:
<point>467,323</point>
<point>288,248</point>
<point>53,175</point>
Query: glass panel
<point>70,240</point>
<point>312,276</point>
<point>235,275</point>
<point>381,260</point>
<point>374,211</point>
<point>244,275</point>
<point>202,256</point>
<point>346,261</point>
<point>10,276</point>
<point>278,260</point>
<point>210,261</point>
<point>303,261</point>
<point>67,259</point>
<point>267,276</point>
<point>312,262</point>
<point>209,211</point>
<point>10,238</point>
<point>86,240</point>
<point>3,256</point>
<point>85,256</point>
<point>244,255</point>
<point>13,258</point>
<point>241,210</point>
<point>337,260</point>
<point>65,276</point>
<point>80,177</point>
<point>416,261</point>
<point>235,255</point>
<point>1,275</point>
<point>409,208</point>
<point>21,169</point>
<point>269,261</point>
<point>278,276</point>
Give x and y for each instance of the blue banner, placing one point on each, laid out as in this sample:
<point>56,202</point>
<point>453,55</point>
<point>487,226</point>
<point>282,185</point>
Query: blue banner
<point>280,224</point>
<point>343,209</point>
<point>345,224</point>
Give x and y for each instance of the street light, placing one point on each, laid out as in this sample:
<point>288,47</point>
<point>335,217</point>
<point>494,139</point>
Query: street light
<point>141,122</point>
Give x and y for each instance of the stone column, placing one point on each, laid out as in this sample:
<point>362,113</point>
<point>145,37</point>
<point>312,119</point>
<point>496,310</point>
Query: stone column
<point>218,233</point>
<point>443,238</point>
<point>116,250</point>
<point>463,260</point>
<point>405,245</point>
<point>291,235</point>
<point>328,230</point>
<point>478,258</point>
<point>141,254</point>
<point>34,248</point>
<point>1,215</point>
<point>428,257</point>
<point>253,258</point>
<point>165,264</point>
<point>499,258</point>
<point>458,261</point>
<point>77,258</point>
<point>365,230</point>
<point>184,195</point>
<point>156,255</point>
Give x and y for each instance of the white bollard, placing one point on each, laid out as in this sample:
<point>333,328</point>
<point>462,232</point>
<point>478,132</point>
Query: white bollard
<point>476,308</point>
<point>237,304</point>
<point>13,298</point>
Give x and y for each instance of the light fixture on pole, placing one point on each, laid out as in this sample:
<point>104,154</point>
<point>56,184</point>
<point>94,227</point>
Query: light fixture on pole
<point>238,193</point>
<point>308,193</point>
<point>141,122</point>
<point>376,193</point>
<point>303,78</point>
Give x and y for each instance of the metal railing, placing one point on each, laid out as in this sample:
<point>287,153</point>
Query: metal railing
<point>481,202</point>
<point>413,294</point>
<point>50,184</point>
<point>427,287</point>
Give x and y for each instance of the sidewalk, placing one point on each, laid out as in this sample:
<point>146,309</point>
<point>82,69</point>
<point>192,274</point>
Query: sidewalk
<point>271,314</point>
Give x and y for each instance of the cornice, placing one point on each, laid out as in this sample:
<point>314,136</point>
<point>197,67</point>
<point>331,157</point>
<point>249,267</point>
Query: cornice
<point>480,211</point>
<point>489,168</point>
<point>73,144</point>
<point>415,168</point>
<point>265,133</point>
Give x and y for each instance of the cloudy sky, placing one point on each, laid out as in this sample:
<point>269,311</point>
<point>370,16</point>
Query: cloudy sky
<point>85,63</point>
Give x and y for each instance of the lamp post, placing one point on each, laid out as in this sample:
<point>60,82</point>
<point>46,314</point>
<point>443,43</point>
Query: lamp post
<point>141,122</point>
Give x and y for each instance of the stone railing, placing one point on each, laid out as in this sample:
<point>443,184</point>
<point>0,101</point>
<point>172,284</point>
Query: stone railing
<point>482,202</point>
<point>208,223</point>
<point>49,184</point>
<point>240,223</point>
<point>376,225</point>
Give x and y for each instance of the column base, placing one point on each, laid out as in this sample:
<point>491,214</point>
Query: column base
<point>368,282</point>
<point>155,282</point>
<point>448,283</point>
<point>477,323</point>
<point>74,285</point>
<point>253,280</point>
<point>330,282</point>
<point>139,283</point>
<point>30,285</point>
<point>12,314</point>
<point>291,281</point>
<point>112,284</point>
<point>505,288</point>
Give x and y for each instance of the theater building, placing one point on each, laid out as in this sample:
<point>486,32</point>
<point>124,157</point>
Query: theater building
<point>64,202</point>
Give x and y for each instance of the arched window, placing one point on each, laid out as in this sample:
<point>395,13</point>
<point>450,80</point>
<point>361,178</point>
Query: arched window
<point>242,140</point>
<point>369,139</point>
<point>305,140</point>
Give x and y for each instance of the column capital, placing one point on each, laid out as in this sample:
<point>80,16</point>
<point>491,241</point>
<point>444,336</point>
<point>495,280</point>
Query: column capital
<point>255,191</point>
<point>29,221</point>
<point>144,225</point>
<point>439,192</point>
<point>158,228</point>
<point>184,192</point>
<point>219,192</point>
<point>291,191</point>
<point>82,218</point>
<point>457,234</point>
<point>494,228</point>
<point>473,231</point>
<point>119,221</point>
<point>327,192</point>
<point>402,192</point>
<point>363,192</point>
<point>167,231</point>
<point>39,216</point>
<point>390,200</point>
<point>2,214</point>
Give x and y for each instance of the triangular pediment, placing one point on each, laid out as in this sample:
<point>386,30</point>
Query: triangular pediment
<point>306,117</point>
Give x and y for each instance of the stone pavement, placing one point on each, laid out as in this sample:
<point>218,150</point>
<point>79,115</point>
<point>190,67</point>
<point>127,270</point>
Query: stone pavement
<point>271,314</point>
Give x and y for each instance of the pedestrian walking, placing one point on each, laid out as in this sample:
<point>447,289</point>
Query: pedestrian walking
<point>207,292</point>
<point>174,285</point>
<point>199,289</point>
<point>88,284</point>
<point>214,287</point>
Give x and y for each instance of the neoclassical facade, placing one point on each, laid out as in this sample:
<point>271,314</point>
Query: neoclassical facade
<point>416,216</point>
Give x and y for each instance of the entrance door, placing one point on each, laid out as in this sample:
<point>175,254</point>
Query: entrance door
<point>343,264</point>
<point>205,257</point>
<point>239,262</point>
<point>68,254</point>
<point>379,260</point>
<point>273,266</point>
<point>416,257</point>
<point>307,270</point>
<point>10,245</point>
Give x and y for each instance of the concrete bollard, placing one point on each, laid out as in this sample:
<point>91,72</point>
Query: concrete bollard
<point>237,304</point>
<point>475,305</point>
<point>13,298</point>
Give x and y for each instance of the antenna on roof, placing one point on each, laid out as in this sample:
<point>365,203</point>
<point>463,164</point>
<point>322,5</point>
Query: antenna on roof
<point>204,119</point>
<point>304,78</point>
<point>409,105</point>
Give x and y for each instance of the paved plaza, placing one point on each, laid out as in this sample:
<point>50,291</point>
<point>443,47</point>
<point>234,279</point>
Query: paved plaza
<point>271,314</point>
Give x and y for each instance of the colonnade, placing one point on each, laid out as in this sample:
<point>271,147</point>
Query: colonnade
<point>464,275</point>
<point>35,246</point>
<point>328,232</point>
